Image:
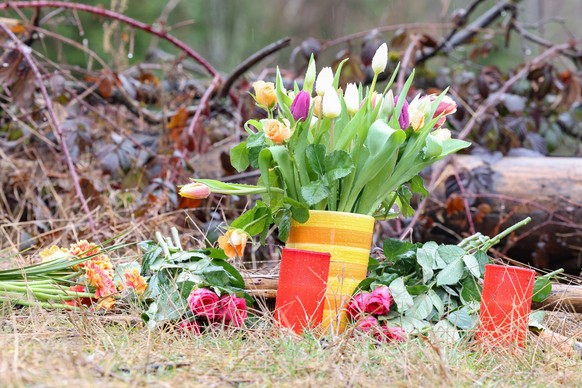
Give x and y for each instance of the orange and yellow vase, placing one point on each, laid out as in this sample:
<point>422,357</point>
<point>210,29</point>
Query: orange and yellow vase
<point>348,238</point>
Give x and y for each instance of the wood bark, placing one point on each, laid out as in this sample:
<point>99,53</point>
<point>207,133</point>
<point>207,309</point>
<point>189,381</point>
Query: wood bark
<point>486,194</point>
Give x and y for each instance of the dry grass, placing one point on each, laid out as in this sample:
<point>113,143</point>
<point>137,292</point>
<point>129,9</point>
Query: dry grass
<point>47,348</point>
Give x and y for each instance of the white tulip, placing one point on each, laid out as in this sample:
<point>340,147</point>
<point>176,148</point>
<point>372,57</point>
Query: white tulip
<point>352,98</point>
<point>380,59</point>
<point>332,107</point>
<point>324,81</point>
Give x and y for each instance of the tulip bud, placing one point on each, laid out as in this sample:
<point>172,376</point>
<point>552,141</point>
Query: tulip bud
<point>433,147</point>
<point>442,134</point>
<point>380,59</point>
<point>416,119</point>
<point>194,190</point>
<point>387,105</point>
<point>324,81</point>
<point>332,107</point>
<point>352,98</point>
<point>309,76</point>
<point>300,106</point>
<point>265,94</point>
<point>317,109</point>
<point>404,118</point>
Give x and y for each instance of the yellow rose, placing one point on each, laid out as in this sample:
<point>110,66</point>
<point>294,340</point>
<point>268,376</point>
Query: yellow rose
<point>265,94</point>
<point>276,131</point>
<point>233,242</point>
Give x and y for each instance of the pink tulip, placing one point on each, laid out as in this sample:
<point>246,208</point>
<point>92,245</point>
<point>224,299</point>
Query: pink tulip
<point>300,106</point>
<point>446,107</point>
<point>203,303</point>
<point>404,118</point>
<point>232,310</point>
<point>367,324</point>
<point>195,190</point>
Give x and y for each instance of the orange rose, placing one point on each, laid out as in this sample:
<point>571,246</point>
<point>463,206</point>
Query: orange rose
<point>265,94</point>
<point>276,131</point>
<point>233,243</point>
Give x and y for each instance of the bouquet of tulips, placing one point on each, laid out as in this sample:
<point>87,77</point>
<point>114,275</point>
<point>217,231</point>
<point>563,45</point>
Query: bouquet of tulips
<point>353,150</point>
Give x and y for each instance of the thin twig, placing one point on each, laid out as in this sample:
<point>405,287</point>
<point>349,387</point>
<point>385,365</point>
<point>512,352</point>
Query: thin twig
<point>245,65</point>
<point>406,61</point>
<point>201,106</point>
<point>25,50</point>
<point>471,30</point>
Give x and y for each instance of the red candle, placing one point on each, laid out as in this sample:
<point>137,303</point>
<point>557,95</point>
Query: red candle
<point>505,305</point>
<point>301,290</point>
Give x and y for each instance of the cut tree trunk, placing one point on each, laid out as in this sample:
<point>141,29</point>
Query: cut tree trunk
<point>502,191</point>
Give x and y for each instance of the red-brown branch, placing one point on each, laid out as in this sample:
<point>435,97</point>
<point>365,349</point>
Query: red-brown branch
<point>25,50</point>
<point>117,16</point>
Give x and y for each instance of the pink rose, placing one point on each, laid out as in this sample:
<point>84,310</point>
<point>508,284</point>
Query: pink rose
<point>390,334</point>
<point>203,302</point>
<point>232,310</point>
<point>379,301</point>
<point>367,324</point>
<point>357,305</point>
<point>190,326</point>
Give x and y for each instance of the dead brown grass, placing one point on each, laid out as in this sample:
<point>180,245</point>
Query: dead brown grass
<point>49,348</point>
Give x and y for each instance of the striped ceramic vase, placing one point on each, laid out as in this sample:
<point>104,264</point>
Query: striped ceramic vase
<point>348,238</point>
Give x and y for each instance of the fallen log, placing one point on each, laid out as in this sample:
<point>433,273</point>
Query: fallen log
<point>487,194</point>
<point>261,286</point>
<point>563,298</point>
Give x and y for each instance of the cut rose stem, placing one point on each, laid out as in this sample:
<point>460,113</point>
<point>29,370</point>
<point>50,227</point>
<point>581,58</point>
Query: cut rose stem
<point>25,50</point>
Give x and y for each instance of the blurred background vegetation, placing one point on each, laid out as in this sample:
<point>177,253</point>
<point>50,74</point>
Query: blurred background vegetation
<point>227,31</point>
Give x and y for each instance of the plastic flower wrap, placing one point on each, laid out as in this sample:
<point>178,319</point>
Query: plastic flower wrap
<point>358,150</point>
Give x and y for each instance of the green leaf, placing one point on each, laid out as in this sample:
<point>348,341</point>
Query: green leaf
<point>437,302</point>
<point>316,158</point>
<point>236,279</point>
<point>315,192</point>
<point>542,289</point>
<point>284,225</point>
<point>450,253</point>
<point>417,289</point>
<point>421,308</point>
<point>483,260</point>
<point>239,156</point>
<point>153,257</point>
<point>403,201</point>
<point>536,319</point>
<point>338,164</point>
<point>463,320</point>
<point>394,248</point>
<point>452,273</point>
<point>401,296</point>
<point>417,186</point>
<point>445,332</point>
<point>472,265</point>
<point>385,279</point>
<point>364,285</point>
<point>426,260</point>
<point>471,291</point>
<point>214,253</point>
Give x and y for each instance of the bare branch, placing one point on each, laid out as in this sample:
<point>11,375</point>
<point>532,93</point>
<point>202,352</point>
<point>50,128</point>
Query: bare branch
<point>25,50</point>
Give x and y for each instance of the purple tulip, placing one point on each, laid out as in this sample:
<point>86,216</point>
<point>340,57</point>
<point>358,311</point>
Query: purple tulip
<point>300,105</point>
<point>404,118</point>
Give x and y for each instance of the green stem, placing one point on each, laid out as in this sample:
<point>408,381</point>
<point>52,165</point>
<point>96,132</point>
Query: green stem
<point>495,240</point>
